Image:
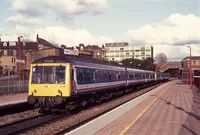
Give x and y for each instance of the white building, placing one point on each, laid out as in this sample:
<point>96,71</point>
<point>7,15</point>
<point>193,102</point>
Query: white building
<point>122,50</point>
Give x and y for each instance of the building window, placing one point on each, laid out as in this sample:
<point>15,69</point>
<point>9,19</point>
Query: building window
<point>5,52</point>
<point>137,50</point>
<point>13,60</point>
<point>121,49</point>
<point>14,53</point>
<point>194,62</point>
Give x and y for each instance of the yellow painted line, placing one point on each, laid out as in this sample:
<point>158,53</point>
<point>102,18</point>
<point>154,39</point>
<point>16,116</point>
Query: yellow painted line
<point>131,124</point>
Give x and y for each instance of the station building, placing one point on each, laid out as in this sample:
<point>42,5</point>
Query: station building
<point>195,63</point>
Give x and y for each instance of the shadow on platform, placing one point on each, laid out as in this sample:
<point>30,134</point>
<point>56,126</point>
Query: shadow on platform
<point>195,108</point>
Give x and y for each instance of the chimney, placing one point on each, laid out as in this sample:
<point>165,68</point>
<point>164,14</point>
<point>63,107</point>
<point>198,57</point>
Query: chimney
<point>81,46</point>
<point>37,38</point>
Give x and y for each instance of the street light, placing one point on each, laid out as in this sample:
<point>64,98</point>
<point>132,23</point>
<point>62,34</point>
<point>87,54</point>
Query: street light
<point>18,63</point>
<point>190,67</point>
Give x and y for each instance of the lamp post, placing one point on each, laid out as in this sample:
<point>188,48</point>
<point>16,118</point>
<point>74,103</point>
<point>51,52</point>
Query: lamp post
<point>18,63</point>
<point>190,67</point>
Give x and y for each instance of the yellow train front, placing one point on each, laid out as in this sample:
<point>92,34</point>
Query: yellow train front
<point>49,82</point>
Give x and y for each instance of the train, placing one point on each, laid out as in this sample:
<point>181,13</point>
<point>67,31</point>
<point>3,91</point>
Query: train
<point>59,82</point>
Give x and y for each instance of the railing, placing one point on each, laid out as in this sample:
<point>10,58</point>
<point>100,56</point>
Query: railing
<point>13,85</point>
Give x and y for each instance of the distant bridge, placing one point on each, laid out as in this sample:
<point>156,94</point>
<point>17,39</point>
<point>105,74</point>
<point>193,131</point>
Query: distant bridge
<point>172,68</point>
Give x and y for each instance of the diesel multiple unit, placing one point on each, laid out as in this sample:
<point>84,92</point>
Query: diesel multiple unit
<point>60,82</point>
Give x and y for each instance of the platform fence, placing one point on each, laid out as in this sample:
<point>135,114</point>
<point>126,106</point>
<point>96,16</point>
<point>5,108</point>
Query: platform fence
<point>12,85</point>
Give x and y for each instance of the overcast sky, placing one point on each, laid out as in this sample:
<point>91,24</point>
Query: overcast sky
<point>167,25</point>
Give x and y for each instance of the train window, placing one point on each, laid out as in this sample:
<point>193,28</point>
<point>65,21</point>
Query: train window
<point>97,75</point>
<point>87,75</point>
<point>60,74</point>
<point>37,74</point>
<point>137,76</point>
<point>48,74</point>
<point>80,77</point>
<point>110,75</point>
<point>119,76</point>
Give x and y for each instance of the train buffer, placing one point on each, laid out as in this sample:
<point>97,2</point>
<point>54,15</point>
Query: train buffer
<point>170,109</point>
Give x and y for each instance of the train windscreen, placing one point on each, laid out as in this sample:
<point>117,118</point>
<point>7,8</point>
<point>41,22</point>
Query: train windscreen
<point>48,75</point>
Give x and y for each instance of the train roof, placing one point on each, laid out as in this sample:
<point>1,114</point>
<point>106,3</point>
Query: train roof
<point>149,71</point>
<point>75,61</point>
<point>135,70</point>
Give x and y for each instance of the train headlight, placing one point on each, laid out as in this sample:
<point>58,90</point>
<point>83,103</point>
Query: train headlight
<point>35,91</point>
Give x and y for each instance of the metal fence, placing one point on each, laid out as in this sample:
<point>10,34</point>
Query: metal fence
<point>13,85</point>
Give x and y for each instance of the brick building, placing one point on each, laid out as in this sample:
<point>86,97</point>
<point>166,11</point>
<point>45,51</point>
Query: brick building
<point>18,55</point>
<point>98,52</point>
<point>89,51</point>
<point>12,55</point>
<point>195,64</point>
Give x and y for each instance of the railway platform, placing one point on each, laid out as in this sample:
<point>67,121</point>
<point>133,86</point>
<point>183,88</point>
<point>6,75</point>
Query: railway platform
<point>171,109</point>
<point>12,99</point>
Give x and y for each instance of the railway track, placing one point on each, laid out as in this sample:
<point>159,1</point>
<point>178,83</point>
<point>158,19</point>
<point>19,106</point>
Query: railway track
<point>69,122</point>
<point>15,108</point>
<point>26,124</point>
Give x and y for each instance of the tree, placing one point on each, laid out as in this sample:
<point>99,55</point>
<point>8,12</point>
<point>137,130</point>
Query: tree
<point>146,64</point>
<point>160,57</point>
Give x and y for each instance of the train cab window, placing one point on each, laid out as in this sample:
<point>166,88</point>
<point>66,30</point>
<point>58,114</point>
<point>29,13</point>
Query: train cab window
<point>48,74</point>
<point>60,74</point>
<point>36,74</point>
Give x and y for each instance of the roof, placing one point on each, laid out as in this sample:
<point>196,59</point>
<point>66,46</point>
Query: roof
<point>135,70</point>
<point>93,47</point>
<point>76,61</point>
<point>193,58</point>
<point>14,45</point>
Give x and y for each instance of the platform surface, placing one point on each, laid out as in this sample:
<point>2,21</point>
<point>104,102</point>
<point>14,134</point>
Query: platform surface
<point>171,109</point>
<point>11,99</point>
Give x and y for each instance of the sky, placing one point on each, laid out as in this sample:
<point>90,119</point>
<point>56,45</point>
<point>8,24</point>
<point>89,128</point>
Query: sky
<point>168,25</point>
